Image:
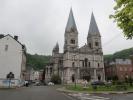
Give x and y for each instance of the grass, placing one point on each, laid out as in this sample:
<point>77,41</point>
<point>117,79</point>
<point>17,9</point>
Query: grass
<point>104,88</point>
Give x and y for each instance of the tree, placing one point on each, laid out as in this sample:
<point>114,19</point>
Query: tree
<point>56,79</point>
<point>124,16</point>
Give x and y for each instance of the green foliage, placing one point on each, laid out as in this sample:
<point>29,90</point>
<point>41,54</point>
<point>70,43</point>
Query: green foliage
<point>121,87</point>
<point>37,61</point>
<point>123,54</point>
<point>124,16</point>
<point>56,79</point>
<point>99,89</point>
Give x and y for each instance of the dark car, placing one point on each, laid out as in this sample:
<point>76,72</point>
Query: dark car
<point>98,83</point>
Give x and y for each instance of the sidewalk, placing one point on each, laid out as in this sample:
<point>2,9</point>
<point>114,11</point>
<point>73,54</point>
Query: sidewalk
<point>63,89</point>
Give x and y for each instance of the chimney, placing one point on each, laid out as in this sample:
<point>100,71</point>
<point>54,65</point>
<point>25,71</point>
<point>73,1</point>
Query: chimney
<point>1,36</point>
<point>16,38</point>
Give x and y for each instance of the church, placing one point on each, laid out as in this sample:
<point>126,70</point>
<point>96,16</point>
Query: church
<point>77,63</point>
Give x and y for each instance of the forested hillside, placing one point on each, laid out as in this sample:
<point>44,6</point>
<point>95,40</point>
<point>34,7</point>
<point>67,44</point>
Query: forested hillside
<point>126,53</point>
<point>37,61</point>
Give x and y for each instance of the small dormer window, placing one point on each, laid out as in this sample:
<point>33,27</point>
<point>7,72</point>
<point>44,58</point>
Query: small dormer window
<point>96,44</point>
<point>6,47</point>
<point>72,41</point>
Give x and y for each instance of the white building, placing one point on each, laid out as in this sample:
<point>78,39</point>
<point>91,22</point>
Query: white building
<point>12,59</point>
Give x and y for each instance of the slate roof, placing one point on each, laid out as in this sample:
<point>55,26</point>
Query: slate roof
<point>93,29</point>
<point>23,46</point>
<point>71,26</point>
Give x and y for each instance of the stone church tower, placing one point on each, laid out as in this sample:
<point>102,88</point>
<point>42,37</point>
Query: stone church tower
<point>77,63</point>
<point>70,58</point>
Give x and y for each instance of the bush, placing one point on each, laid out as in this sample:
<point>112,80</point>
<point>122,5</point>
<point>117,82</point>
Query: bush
<point>120,87</point>
<point>56,79</point>
<point>94,87</point>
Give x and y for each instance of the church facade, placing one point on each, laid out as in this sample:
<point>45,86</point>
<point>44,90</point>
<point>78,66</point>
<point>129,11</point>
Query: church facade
<point>77,63</point>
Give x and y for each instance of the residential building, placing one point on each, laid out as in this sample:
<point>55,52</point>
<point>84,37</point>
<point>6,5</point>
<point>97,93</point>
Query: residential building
<point>12,60</point>
<point>120,68</point>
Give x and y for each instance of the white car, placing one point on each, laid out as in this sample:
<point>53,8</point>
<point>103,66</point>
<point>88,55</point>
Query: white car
<point>50,83</point>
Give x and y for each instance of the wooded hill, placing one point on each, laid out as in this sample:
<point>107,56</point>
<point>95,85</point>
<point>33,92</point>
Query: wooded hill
<point>37,61</point>
<point>123,54</point>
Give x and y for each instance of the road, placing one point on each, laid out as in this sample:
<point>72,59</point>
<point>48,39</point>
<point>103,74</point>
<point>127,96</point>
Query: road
<point>50,93</point>
<point>33,93</point>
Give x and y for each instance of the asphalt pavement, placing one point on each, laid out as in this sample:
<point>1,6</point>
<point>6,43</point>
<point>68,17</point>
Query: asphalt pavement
<point>33,93</point>
<point>50,93</point>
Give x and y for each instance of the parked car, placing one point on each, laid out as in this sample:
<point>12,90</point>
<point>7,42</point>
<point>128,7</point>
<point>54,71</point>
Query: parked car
<point>37,84</point>
<point>26,83</point>
<point>50,83</point>
<point>97,83</point>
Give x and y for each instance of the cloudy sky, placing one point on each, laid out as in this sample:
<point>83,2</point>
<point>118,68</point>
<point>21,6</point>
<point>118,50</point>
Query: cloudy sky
<point>41,23</point>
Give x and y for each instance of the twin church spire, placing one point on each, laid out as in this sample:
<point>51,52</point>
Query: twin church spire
<point>71,34</point>
<point>93,29</point>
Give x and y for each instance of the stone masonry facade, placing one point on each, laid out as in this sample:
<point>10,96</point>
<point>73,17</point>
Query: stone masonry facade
<point>77,63</point>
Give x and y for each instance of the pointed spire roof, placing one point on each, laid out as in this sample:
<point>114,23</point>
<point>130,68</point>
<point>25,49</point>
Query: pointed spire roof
<point>56,48</point>
<point>71,26</point>
<point>93,29</point>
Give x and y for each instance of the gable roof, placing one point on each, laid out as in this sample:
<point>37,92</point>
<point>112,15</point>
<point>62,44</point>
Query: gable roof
<point>23,46</point>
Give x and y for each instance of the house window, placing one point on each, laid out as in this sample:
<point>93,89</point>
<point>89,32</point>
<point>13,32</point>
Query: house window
<point>72,41</point>
<point>96,44</point>
<point>120,68</point>
<point>6,47</point>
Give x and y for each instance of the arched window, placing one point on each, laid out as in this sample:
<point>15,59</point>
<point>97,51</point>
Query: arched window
<point>89,64</point>
<point>83,63</point>
<point>90,45</point>
<point>98,65</point>
<point>73,64</point>
<point>50,71</point>
<point>96,44</point>
<point>86,61</point>
<point>72,41</point>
